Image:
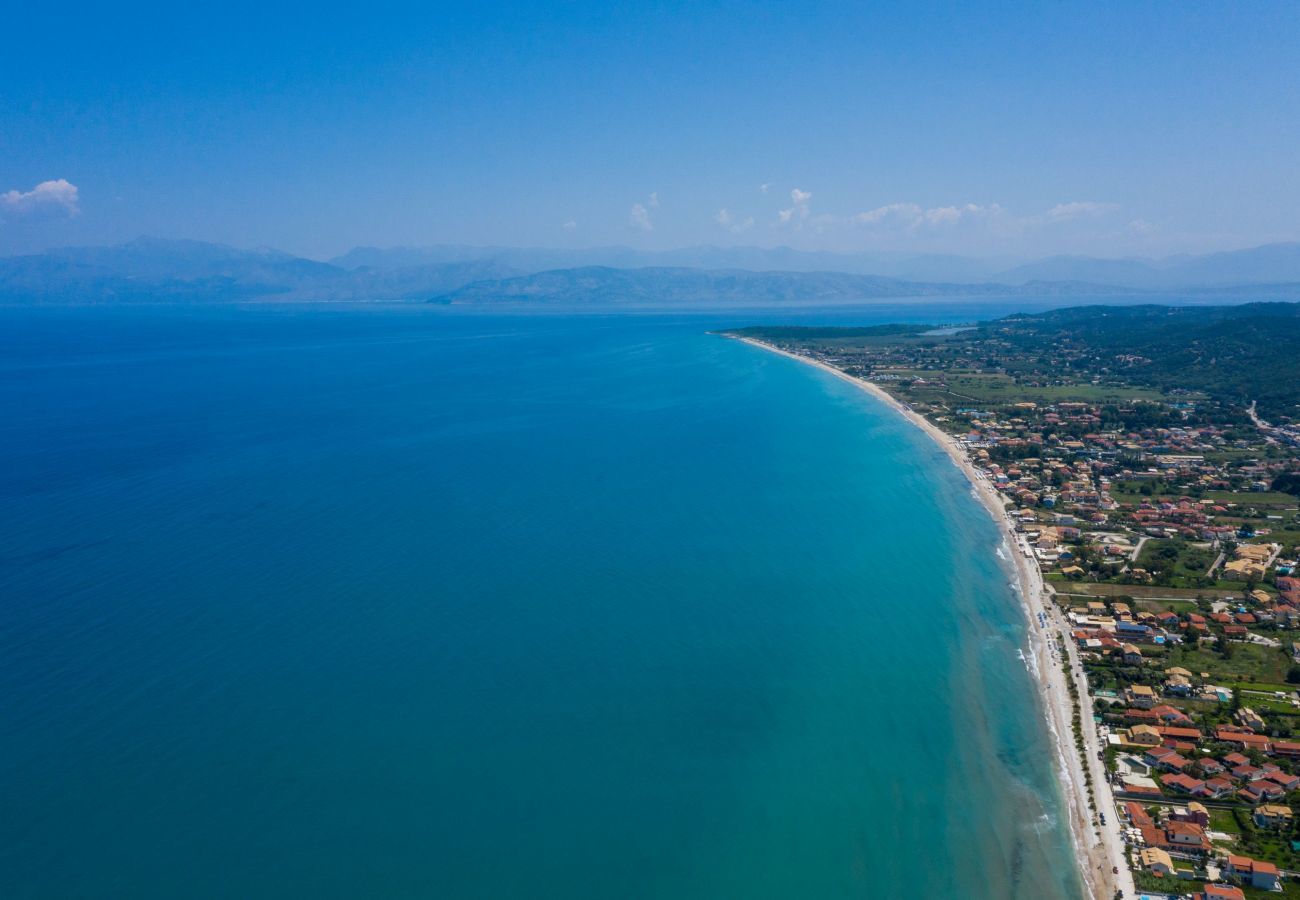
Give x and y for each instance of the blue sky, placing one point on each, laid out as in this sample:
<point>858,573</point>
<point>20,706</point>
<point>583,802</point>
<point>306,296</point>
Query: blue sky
<point>985,128</point>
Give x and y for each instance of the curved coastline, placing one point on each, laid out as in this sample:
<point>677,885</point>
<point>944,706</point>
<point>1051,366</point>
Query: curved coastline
<point>1099,850</point>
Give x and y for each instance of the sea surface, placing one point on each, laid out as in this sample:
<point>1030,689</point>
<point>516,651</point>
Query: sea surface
<point>388,602</point>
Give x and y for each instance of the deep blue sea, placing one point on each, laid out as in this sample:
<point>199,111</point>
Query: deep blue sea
<point>387,602</point>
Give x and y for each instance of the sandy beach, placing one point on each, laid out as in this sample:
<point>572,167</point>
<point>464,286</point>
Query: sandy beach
<point>1100,850</point>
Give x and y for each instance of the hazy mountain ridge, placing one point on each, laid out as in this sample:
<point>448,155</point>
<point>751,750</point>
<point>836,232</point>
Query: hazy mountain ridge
<point>157,270</point>
<point>678,286</point>
<point>1266,264</point>
<point>149,269</point>
<point>913,267</point>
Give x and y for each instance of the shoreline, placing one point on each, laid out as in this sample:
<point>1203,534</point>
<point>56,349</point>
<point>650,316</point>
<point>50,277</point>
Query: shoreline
<point>1098,849</point>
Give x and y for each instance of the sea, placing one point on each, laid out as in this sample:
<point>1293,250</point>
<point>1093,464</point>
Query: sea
<point>389,601</point>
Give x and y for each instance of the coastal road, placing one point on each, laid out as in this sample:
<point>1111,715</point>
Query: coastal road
<point>1132,557</point>
<point>1214,566</point>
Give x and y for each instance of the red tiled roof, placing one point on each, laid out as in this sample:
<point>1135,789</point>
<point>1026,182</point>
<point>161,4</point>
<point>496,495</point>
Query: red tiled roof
<point>1223,892</point>
<point>1137,815</point>
<point>1182,782</point>
<point>1152,836</point>
<point>1249,738</point>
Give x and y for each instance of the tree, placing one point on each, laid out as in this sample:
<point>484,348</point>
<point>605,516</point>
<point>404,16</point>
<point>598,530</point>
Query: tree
<point>1287,483</point>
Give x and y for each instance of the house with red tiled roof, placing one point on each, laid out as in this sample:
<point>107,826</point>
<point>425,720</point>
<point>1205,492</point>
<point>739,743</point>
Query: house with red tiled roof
<point>1243,738</point>
<point>1183,783</point>
<point>1209,766</point>
<point>1179,733</point>
<point>1174,762</point>
<point>1172,716</point>
<point>1289,749</point>
<point>1137,816</point>
<point>1188,837</point>
<point>1287,782</point>
<point>1154,756</point>
<point>1218,787</point>
<point>1220,892</point>
<point>1153,836</point>
<point>1247,773</point>
<point>1251,872</point>
<point>1262,790</point>
<point>1140,786</point>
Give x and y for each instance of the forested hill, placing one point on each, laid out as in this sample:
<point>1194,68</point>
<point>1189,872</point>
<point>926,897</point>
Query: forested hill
<point>1234,353</point>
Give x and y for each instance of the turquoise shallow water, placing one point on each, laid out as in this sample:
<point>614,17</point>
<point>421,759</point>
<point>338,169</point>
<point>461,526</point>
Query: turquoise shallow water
<point>356,602</point>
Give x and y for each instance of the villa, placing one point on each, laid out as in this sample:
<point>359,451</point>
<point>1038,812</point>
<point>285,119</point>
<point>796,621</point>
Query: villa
<point>1271,816</point>
<point>1252,872</point>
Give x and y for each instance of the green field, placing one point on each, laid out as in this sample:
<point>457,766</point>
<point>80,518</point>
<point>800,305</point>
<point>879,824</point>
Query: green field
<point>1257,499</point>
<point>1177,560</point>
<point>995,389</point>
<point>1223,820</point>
<point>1147,592</point>
<point>1251,664</point>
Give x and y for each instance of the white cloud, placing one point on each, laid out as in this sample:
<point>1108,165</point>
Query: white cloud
<point>905,212</point>
<point>762,188</point>
<point>943,215</point>
<point>727,221</point>
<point>912,216</point>
<point>570,225</point>
<point>654,200</point>
<point>1078,209</point>
<point>59,193</point>
<point>640,218</point>
<point>798,206</point>
<point>951,215</point>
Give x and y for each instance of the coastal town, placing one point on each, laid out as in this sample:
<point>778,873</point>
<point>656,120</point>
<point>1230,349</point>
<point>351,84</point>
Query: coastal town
<point>1159,527</point>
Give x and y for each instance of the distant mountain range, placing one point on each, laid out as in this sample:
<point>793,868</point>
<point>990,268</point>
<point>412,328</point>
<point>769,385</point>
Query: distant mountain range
<point>594,286</point>
<point>1269,264</point>
<point>156,270</point>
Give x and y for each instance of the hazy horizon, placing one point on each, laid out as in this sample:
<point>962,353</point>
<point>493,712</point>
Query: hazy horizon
<point>995,260</point>
<point>1107,131</point>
